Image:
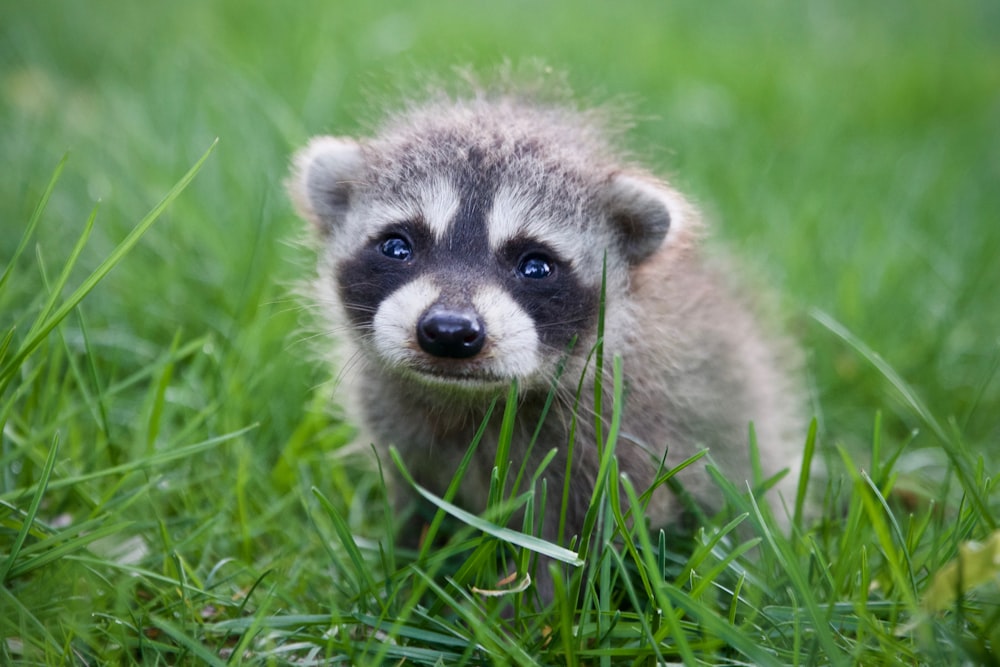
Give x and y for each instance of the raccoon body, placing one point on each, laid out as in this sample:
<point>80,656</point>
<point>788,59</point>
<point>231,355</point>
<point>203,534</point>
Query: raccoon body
<point>463,247</point>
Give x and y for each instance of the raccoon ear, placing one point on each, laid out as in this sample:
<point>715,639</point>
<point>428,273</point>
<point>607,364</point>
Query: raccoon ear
<point>642,211</point>
<point>324,173</point>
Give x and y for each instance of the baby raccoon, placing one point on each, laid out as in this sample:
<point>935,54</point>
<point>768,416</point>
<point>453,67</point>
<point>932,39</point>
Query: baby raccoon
<point>463,247</point>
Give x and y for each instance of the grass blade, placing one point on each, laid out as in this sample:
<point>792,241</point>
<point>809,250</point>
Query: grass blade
<point>39,332</point>
<point>365,583</point>
<point>949,445</point>
<point>804,473</point>
<point>168,454</point>
<point>452,489</point>
<point>65,548</point>
<point>530,542</point>
<point>29,519</point>
<point>56,290</point>
<point>190,643</point>
<point>33,221</point>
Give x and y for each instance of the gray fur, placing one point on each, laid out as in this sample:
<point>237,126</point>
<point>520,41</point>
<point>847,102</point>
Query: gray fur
<point>698,366</point>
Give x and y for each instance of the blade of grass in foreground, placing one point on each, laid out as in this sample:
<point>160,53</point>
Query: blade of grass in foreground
<point>452,489</point>
<point>365,582</point>
<point>42,553</point>
<point>45,325</point>
<point>531,542</point>
<point>56,289</point>
<point>168,454</point>
<point>33,221</point>
<point>29,519</point>
<point>192,644</point>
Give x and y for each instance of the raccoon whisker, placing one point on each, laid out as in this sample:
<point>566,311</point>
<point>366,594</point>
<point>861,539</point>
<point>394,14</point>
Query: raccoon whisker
<point>358,305</point>
<point>352,364</point>
<point>562,324</point>
<point>288,304</point>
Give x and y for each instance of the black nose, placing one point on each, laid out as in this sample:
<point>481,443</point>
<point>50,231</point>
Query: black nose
<point>451,333</point>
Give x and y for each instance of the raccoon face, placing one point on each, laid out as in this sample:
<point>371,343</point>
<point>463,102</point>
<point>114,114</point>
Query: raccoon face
<point>468,275</point>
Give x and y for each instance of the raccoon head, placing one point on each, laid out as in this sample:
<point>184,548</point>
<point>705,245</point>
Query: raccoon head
<point>468,262</point>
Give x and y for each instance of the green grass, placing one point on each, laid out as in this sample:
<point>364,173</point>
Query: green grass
<point>177,485</point>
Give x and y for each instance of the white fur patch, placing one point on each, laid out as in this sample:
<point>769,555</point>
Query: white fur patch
<point>395,321</point>
<point>514,215</point>
<point>436,204</point>
<point>439,204</point>
<point>511,339</point>
<point>383,214</point>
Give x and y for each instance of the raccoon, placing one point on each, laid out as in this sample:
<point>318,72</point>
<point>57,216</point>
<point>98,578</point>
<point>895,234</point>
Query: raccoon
<point>474,242</point>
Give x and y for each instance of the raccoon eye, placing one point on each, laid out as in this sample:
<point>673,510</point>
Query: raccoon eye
<point>536,266</point>
<point>396,247</point>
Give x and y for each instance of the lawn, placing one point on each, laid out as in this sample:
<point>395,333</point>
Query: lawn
<point>179,486</point>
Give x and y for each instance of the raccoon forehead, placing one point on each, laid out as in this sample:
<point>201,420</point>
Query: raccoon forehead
<point>553,221</point>
<point>514,213</point>
<point>435,202</point>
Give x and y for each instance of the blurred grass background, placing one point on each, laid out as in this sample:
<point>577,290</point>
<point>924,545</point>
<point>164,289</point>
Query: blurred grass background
<point>851,151</point>
<point>848,152</point>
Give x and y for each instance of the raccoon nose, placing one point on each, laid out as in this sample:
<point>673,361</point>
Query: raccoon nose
<point>450,333</point>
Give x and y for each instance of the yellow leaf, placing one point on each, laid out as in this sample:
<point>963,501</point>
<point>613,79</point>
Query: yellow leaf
<point>977,564</point>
